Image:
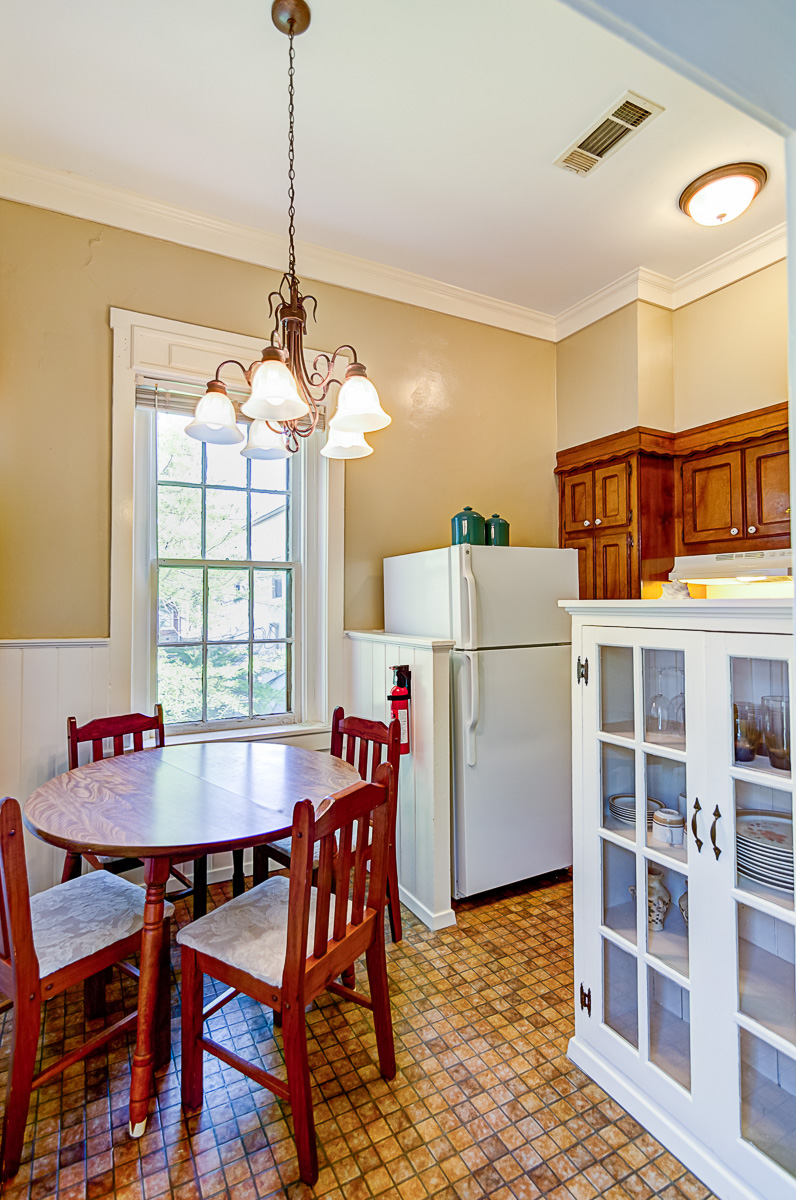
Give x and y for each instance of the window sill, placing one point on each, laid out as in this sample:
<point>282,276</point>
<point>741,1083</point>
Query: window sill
<point>270,733</point>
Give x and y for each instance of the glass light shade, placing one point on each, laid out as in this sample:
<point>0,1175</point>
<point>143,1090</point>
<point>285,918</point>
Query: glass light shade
<point>215,421</point>
<point>724,193</point>
<point>274,395</point>
<point>264,443</point>
<point>345,445</point>
<point>358,408</point>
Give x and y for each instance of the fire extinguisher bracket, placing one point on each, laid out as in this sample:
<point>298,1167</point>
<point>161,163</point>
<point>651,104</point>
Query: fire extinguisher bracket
<point>402,679</point>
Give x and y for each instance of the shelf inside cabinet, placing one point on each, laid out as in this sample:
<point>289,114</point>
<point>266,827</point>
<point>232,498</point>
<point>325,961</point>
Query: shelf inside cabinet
<point>669,1028</point>
<point>760,765</point>
<point>767,972</point>
<point>752,888</point>
<point>621,919</point>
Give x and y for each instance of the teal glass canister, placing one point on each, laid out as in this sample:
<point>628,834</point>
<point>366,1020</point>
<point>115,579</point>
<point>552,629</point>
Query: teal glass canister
<point>497,531</point>
<point>467,528</point>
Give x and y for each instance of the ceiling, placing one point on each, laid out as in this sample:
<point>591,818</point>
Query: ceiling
<point>426,132</point>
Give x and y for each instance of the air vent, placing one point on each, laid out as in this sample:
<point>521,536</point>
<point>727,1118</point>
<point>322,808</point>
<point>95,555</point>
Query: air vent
<point>614,128</point>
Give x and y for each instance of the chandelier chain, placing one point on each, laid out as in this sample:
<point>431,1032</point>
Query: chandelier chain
<point>291,174</point>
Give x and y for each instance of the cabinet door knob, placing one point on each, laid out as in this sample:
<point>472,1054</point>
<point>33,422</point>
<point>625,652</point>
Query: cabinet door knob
<point>597,521</point>
<point>587,522</point>
<point>733,531</point>
<point>752,529</point>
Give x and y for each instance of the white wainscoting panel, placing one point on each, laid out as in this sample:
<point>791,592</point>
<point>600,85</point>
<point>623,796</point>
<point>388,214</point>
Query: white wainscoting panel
<point>41,684</point>
<point>424,790</point>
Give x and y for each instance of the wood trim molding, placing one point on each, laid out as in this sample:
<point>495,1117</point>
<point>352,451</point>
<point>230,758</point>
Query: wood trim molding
<point>751,426</point>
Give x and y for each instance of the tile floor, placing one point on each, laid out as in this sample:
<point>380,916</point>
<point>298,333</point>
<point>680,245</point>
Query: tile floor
<point>485,1102</point>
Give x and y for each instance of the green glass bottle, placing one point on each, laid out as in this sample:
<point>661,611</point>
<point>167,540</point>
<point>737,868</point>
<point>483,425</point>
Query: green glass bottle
<point>467,528</point>
<point>497,531</point>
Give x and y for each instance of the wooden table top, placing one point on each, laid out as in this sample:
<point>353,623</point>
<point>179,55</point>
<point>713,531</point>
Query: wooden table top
<point>183,799</point>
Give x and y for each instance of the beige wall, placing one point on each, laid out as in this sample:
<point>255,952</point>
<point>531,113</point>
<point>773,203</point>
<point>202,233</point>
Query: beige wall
<point>597,379</point>
<point>473,413</point>
<point>731,350</point>
<point>655,381</point>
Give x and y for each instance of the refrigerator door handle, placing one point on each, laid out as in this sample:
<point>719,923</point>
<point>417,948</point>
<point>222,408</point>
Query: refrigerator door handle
<point>472,607</point>
<point>475,704</point>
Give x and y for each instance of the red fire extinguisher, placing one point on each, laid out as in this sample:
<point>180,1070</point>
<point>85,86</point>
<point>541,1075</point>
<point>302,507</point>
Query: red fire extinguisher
<point>399,702</point>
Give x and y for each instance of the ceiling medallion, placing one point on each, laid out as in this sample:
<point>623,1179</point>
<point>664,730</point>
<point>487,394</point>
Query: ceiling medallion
<point>724,193</point>
<point>285,394</point>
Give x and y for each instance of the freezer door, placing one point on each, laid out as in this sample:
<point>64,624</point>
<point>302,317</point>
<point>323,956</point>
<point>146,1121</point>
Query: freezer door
<point>512,797</point>
<point>517,589</point>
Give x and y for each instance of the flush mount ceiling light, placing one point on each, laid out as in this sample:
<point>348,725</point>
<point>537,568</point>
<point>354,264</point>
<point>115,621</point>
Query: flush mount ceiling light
<point>724,193</point>
<point>285,399</point>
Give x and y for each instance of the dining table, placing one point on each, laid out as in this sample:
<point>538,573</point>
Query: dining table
<point>173,804</point>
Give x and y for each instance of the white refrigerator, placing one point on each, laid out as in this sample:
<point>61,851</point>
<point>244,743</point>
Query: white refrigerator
<point>510,699</point>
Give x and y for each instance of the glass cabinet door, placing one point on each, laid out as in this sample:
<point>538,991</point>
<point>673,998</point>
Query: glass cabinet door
<point>643,727</point>
<point>756,979</point>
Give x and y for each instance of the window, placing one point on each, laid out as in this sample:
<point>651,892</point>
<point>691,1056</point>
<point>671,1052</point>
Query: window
<point>225,609</point>
<point>226,573</point>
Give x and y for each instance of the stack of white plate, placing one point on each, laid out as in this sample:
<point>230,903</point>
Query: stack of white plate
<point>623,809</point>
<point>764,845</point>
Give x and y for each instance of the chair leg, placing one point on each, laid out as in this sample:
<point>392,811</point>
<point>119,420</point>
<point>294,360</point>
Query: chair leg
<point>300,1088</point>
<point>376,959</point>
<point>260,868</point>
<point>163,1003</point>
<point>94,993</point>
<point>349,977</point>
<point>200,887</point>
<point>192,1053</point>
<point>238,878</point>
<point>73,865</point>
<point>25,1040</point>
<point>393,897</point>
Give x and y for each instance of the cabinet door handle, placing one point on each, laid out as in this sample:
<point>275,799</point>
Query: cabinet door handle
<point>752,529</point>
<point>697,838</point>
<point>587,523</point>
<point>597,521</point>
<point>716,819</point>
<point>733,531</point>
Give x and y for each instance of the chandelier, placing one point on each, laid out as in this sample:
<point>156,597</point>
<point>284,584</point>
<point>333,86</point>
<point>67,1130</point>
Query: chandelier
<point>285,398</point>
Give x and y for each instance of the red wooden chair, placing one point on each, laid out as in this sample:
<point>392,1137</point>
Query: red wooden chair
<point>73,933</point>
<point>116,729</point>
<point>363,744</point>
<point>284,942</point>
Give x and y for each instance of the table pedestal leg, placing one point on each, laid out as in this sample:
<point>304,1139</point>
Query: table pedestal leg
<point>156,872</point>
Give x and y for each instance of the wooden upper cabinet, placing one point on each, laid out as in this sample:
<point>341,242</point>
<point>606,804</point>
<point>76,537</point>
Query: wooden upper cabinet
<point>584,544</point>
<point>578,500</point>
<point>612,576</point>
<point>713,499</point>
<point>611,495</point>
<point>767,489</point>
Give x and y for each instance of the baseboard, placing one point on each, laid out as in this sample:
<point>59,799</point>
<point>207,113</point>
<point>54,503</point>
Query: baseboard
<point>434,921</point>
<point>694,1154</point>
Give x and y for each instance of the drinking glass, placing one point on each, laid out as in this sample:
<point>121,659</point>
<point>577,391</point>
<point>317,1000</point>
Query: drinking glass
<point>658,712</point>
<point>745,730</point>
<point>776,710</point>
<point>676,715</point>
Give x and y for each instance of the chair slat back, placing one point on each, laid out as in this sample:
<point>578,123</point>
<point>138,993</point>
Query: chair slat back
<point>347,847</point>
<point>15,925</point>
<point>114,729</point>
<point>365,744</point>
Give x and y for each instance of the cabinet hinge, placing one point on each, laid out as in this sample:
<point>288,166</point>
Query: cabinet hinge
<point>582,671</point>
<point>585,999</point>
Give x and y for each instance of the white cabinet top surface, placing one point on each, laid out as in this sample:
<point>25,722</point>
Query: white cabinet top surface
<point>731,616</point>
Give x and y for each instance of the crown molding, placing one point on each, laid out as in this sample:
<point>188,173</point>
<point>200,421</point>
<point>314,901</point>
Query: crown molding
<point>76,196</point>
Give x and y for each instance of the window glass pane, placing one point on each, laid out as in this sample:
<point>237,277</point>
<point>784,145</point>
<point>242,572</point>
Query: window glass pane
<point>271,606</point>
<point>180,604</point>
<point>180,683</point>
<point>227,682</point>
<point>225,533</point>
<point>179,522</point>
<point>269,527</point>
<point>179,456</point>
<point>271,675</point>
<point>270,473</point>
<point>226,464</point>
<point>227,605</point>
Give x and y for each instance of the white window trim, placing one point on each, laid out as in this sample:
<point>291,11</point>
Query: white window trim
<point>144,344</point>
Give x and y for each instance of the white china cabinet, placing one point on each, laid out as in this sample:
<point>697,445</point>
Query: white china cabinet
<point>684,951</point>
